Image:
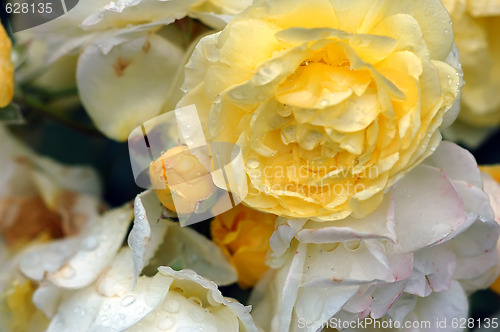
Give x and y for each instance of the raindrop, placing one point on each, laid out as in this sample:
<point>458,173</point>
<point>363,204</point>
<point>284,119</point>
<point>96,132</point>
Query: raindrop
<point>171,306</point>
<point>68,272</point>
<point>90,243</point>
<point>252,163</point>
<point>127,300</point>
<point>195,300</point>
<point>166,323</point>
<point>197,315</point>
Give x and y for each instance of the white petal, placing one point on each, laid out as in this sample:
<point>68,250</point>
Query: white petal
<point>492,189</point>
<point>174,244</point>
<point>98,246</point>
<point>108,83</point>
<point>426,204</point>
<point>47,298</point>
<point>39,260</point>
<point>143,242</point>
<point>115,13</point>
<point>447,305</point>
<point>214,296</point>
<point>88,310</point>
<point>456,162</point>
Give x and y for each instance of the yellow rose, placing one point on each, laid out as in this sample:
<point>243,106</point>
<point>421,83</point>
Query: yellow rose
<point>6,69</point>
<point>330,101</point>
<point>476,24</point>
<point>243,234</point>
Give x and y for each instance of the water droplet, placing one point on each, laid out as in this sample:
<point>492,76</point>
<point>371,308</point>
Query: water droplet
<point>195,300</point>
<point>128,300</point>
<point>141,217</point>
<point>104,318</point>
<point>171,306</point>
<point>90,243</point>
<point>166,323</point>
<point>252,163</point>
<point>352,245</point>
<point>311,140</point>
<point>189,329</point>
<point>67,272</point>
<point>197,315</point>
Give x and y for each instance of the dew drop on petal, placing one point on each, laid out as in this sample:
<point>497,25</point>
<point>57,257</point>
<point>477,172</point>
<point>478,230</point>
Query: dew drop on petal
<point>252,163</point>
<point>166,323</point>
<point>197,315</point>
<point>128,300</point>
<point>90,243</point>
<point>171,306</point>
<point>68,272</point>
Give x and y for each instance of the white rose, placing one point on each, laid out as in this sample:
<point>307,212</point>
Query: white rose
<point>432,240</point>
<point>169,301</point>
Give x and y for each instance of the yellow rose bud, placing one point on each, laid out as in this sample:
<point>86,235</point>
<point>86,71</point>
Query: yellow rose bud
<point>6,69</point>
<point>476,25</point>
<point>243,234</point>
<point>186,181</point>
<point>331,102</point>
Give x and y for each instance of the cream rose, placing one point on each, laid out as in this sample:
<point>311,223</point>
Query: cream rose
<point>42,203</point>
<point>331,102</point>
<point>476,25</point>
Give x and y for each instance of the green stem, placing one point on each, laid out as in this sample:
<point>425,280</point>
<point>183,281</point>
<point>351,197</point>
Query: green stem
<point>35,104</point>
